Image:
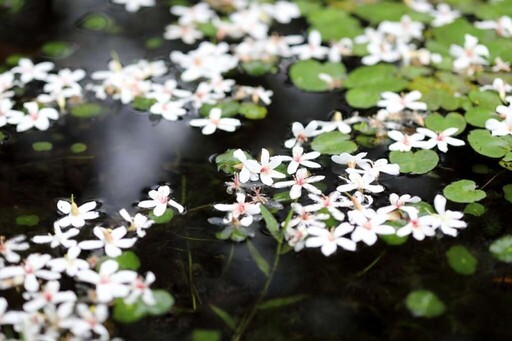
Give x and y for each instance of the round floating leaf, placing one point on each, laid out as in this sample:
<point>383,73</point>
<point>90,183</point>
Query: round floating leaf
<point>478,116</point>
<point>484,143</point>
<point>206,335</point>
<point>424,303</point>
<point>463,191</point>
<point>378,12</point>
<point>461,260</point>
<point>164,218</point>
<point>252,111</point>
<point>226,162</point>
<point>393,239</point>
<point>502,249</point>
<point>42,146</point>
<point>438,122</point>
<point>27,220</point>
<point>334,24</point>
<point>306,74</point>
<point>363,98</point>
<point>365,76</point>
<point>77,148</point>
<point>453,33</point>
<point>228,108</point>
<point>258,68</point>
<point>475,209</point>
<point>412,72</point>
<point>97,22</point>
<point>128,313</point>
<point>420,162</point>
<point>14,59</point>
<point>128,260</point>
<point>507,190</point>
<point>86,110</point>
<point>57,49</point>
<point>164,302</point>
<point>2,136</point>
<point>143,103</point>
<point>332,143</point>
<point>153,43</point>
<point>485,99</point>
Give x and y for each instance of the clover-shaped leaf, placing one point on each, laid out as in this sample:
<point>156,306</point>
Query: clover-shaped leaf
<point>424,303</point>
<point>461,260</point>
<point>307,75</point>
<point>502,249</point>
<point>463,191</point>
<point>334,24</point>
<point>484,143</point>
<point>438,122</point>
<point>420,162</point>
<point>332,143</point>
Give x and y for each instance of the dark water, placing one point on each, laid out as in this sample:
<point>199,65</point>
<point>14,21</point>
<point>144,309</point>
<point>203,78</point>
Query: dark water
<point>128,151</point>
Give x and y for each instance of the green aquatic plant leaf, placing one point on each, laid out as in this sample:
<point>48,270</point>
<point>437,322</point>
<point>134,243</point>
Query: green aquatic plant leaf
<point>306,75</point>
<point>128,260</point>
<point>164,302</point>
<point>164,218</point>
<point>228,163</point>
<point>224,316</point>
<point>475,209</point>
<point>258,68</point>
<point>27,220</point>
<point>424,303</point>
<point>206,335</point>
<point>129,313</point>
<point>420,162</point>
<point>271,222</point>
<point>252,111</point>
<point>477,116</point>
<point>280,302</point>
<point>42,146</point>
<point>507,191</point>
<point>98,22</point>
<point>153,43</point>
<point>142,103</point>
<point>332,143</point>
<point>484,143</point>
<point>57,49</point>
<point>461,260</point>
<point>86,110</point>
<point>77,148</point>
<point>393,239</point>
<point>228,108</point>
<point>258,258</point>
<point>334,24</point>
<point>463,191</point>
<point>438,122</point>
<point>502,249</point>
<point>392,11</point>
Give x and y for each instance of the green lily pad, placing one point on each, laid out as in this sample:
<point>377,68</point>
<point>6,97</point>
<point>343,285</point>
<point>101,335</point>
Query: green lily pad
<point>305,74</point>
<point>86,110</point>
<point>463,191</point>
<point>57,49</point>
<point>143,103</point>
<point>484,143</point>
<point>258,68</point>
<point>42,146</point>
<point>252,111</point>
<point>424,303</point>
<point>485,99</point>
<point>228,108</point>
<point>454,32</point>
<point>153,43</point>
<point>507,191</point>
<point>502,249</point>
<point>77,148</point>
<point>206,335</point>
<point>393,239</point>
<point>438,122</point>
<point>474,209</point>
<point>98,22</point>
<point>164,218</point>
<point>477,116</point>
<point>129,313</point>
<point>334,24</point>
<point>363,98</point>
<point>27,220</point>
<point>461,260</point>
<point>420,162</point>
<point>226,162</point>
<point>128,260</point>
<point>392,11</point>
<point>332,143</point>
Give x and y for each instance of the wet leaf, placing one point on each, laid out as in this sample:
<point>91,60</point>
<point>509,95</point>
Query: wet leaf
<point>461,260</point>
<point>128,313</point>
<point>438,122</point>
<point>86,110</point>
<point>334,24</point>
<point>270,222</point>
<point>280,302</point>
<point>228,108</point>
<point>485,99</point>
<point>164,302</point>
<point>393,239</point>
<point>507,191</point>
<point>143,103</point>
<point>98,22</point>
<point>332,143</point>
<point>42,146</point>
<point>27,220</point>
<point>252,111</point>
<point>224,316</point>
<point>77,148</point>
<point>377,12</point>
<point>258,258</point>
<point>463,191</point>
<point>478,116</point>
<point>306,74</point>
<point>363,98</point>
<point>206,335</point>
<point>424,303</point>
<point>420,162</point>
<point>474,209</point>
<point>57,49</point>
<point>128,260</point>
<point>502,249</point>
<point>484,143</point>
<point>164,218</point>
<point>453,33</point>
<point>258,68</point>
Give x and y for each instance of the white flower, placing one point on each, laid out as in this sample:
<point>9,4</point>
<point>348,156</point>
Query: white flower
<point>440,140</point>
<point>9,247</point>
<point>405,30</point>
<point>29,71</point>
<point>502,26</point>
<point>256,94</point>
<point>301,134</point>
<point>369,224</point>
<point>187,33</point>
<point>135,5</point>
<point>167,91</point>
<point>70,263</point>
<point>447,220</point>
<point>9,317</point>
<point>330,240</point>
<point>65,83</point>
<point>395,103</point>
<point>6,111</point>
<point>58,238</point>
<point>418,226</point>
<point>29,271</point>
<point>313,49</point>
<point>111,240</point>
<point>140,288</point>
<point>50,295</point>
<point>504,127</point>
<point>398,202</point>
<point>296,237</point>
<point>405,142</point>
<point>499,86</point>
<point>304,217</point>
<point>221,85</point>
<point>170,110</point>
<point>159,200</point>
<point>443,15</point>
<point>89,319</point>
<point>245,173</point>
<point>204,94</point>
<point>351,160</point>
<point>340,49</point>
<point>265,169</point>
<point>377,167</point>
<point>381,50</point>
<point>39,118</point>
<point>138,223</point>
<point>109,282</point>
<point>337,122</point>
<point>300,158</point>
<point>215,121</point>
<point>282,11</point>
<point>240,208</point>
<point>361,183</point>
<point>200,13</point>
<point>471,54</point>
<point>6,83</point>
<point>301,180</point>
<point>76,215</point>
<point>329,202</point>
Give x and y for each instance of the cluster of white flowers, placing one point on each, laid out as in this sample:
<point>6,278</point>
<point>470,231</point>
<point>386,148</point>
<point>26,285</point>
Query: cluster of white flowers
<point>48,311</point>
<point>37,112</point>
<point>503,126</point>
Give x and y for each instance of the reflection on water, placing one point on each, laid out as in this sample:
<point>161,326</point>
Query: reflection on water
<point>129,151</point>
